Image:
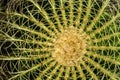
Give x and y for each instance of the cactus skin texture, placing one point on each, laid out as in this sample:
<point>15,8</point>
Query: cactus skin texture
<point>60,40</point>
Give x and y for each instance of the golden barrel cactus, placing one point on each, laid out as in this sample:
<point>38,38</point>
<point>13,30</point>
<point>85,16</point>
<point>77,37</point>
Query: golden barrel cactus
<point>60,40</point>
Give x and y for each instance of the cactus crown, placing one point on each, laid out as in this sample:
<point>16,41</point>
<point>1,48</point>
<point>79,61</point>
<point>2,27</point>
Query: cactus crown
<point>60,40</point>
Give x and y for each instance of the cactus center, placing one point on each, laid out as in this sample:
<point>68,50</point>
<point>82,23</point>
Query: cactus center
<point>70,46</point>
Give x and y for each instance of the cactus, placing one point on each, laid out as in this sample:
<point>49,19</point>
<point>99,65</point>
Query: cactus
<point>60,40</point>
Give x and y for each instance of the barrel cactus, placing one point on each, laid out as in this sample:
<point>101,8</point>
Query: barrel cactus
<point>60,40</point>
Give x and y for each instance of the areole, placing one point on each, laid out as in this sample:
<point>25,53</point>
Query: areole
<point>70,46</point>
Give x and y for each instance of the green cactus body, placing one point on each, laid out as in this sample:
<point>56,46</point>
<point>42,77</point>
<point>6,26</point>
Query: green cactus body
<point>60,40</point>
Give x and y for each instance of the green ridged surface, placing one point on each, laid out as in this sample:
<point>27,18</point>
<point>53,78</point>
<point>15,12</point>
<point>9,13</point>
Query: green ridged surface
<point>27,39</point>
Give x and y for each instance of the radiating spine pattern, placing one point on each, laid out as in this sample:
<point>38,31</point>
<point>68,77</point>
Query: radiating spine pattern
<point>60,40</point>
